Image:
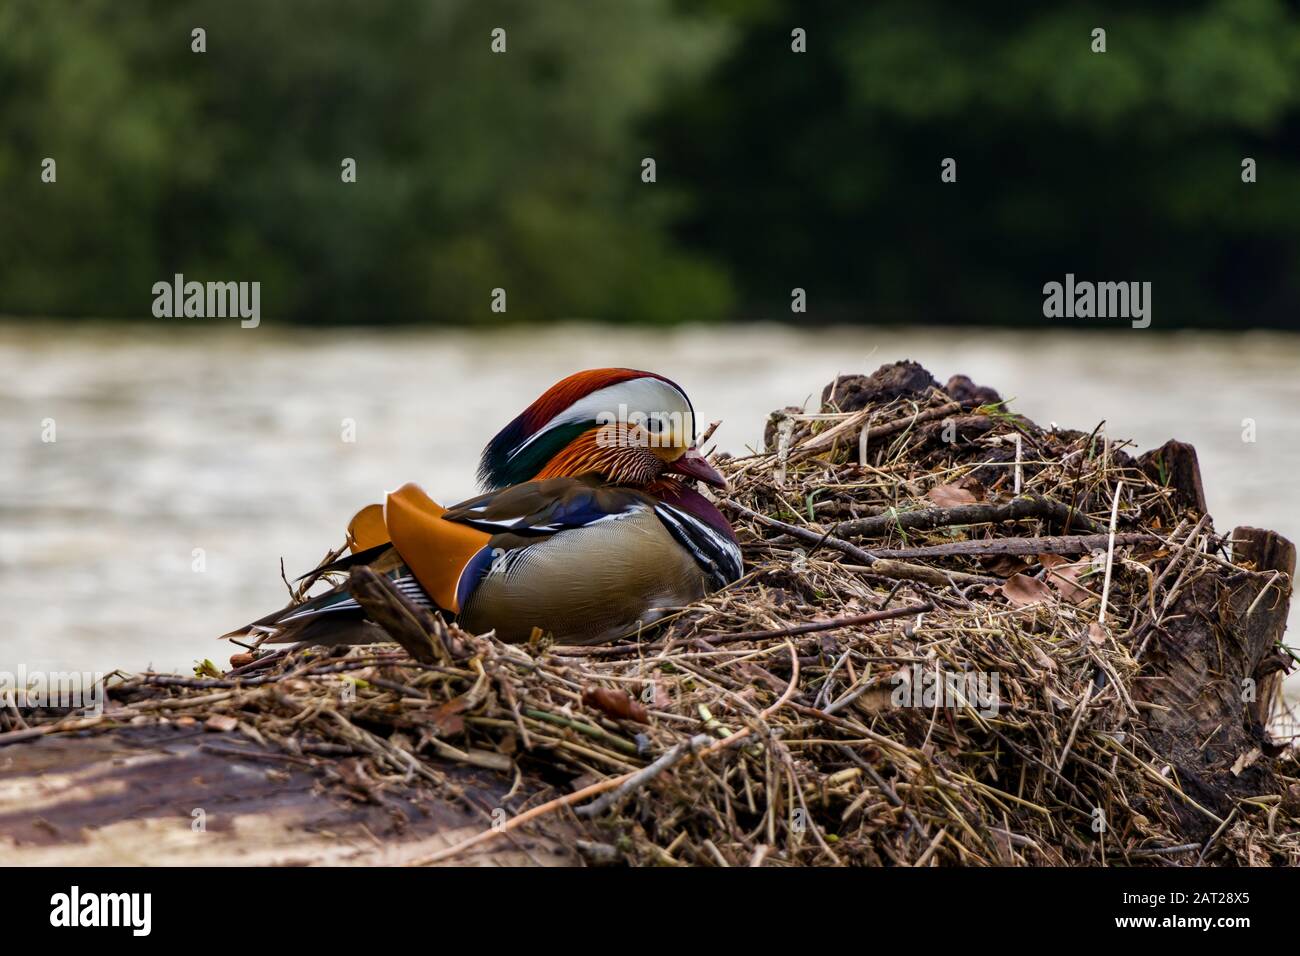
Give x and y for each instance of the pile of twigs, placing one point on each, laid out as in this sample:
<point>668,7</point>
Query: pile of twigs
<point>936,656</point>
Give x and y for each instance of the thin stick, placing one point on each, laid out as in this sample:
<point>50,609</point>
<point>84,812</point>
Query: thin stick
<point>1110,553</point>
<point>804,534</point>
<point>851,621</point>
<point>1074,727</point>
<point>1260,596</point>
<point>1047,544</point>
<point>708,433</point>
<point>1018,464</point>
<point>925,519</point>
<point>828,438</point>
<point>784,429</point>
<point>645,775</point>
<point>515,822</point>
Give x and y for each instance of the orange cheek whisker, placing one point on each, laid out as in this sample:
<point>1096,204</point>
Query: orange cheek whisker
<point>618,463</point>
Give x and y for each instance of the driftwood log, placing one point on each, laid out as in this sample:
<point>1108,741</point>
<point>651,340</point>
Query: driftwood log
<point>1214,676</point>
<point>186,796</point>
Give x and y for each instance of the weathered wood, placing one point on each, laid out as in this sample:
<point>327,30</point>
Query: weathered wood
<point>134,796</point>
<point>1175,465</point>
<point>1213,675</point>
<point>1266,603</point>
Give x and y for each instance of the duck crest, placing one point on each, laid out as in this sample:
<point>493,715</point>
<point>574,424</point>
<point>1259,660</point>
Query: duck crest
<point>522,448</point>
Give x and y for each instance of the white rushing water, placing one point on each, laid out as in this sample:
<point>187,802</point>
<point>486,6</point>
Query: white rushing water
<point>231,441</point>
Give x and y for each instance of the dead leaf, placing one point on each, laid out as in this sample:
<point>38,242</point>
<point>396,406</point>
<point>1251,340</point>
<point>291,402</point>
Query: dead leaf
<point>973,485</point>
<point>616,704</point>
<point>751,673</point>
<point>1097,633</point>
<point>662,699</point>
<point>447,719</point>
<point>1020,590</point>
<point>1065,578</point>
<point>1003,565</point>
<point>1042,658</point>
<point>949,496</point>
<point>876,700</point>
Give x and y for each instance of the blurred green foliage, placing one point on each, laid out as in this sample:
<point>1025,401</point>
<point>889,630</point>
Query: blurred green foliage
<point>475,170</point>
<point>1118,166</point>
<point>775,169</point>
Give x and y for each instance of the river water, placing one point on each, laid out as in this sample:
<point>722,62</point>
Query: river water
<point>187,461</point>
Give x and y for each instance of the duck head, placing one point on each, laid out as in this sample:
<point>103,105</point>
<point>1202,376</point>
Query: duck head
<point>631,427</point>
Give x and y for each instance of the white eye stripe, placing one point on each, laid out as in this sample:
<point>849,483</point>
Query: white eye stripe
<point>648,396</point>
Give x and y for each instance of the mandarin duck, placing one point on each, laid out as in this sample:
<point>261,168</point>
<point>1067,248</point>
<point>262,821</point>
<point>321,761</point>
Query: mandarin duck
<point>588,529</point>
